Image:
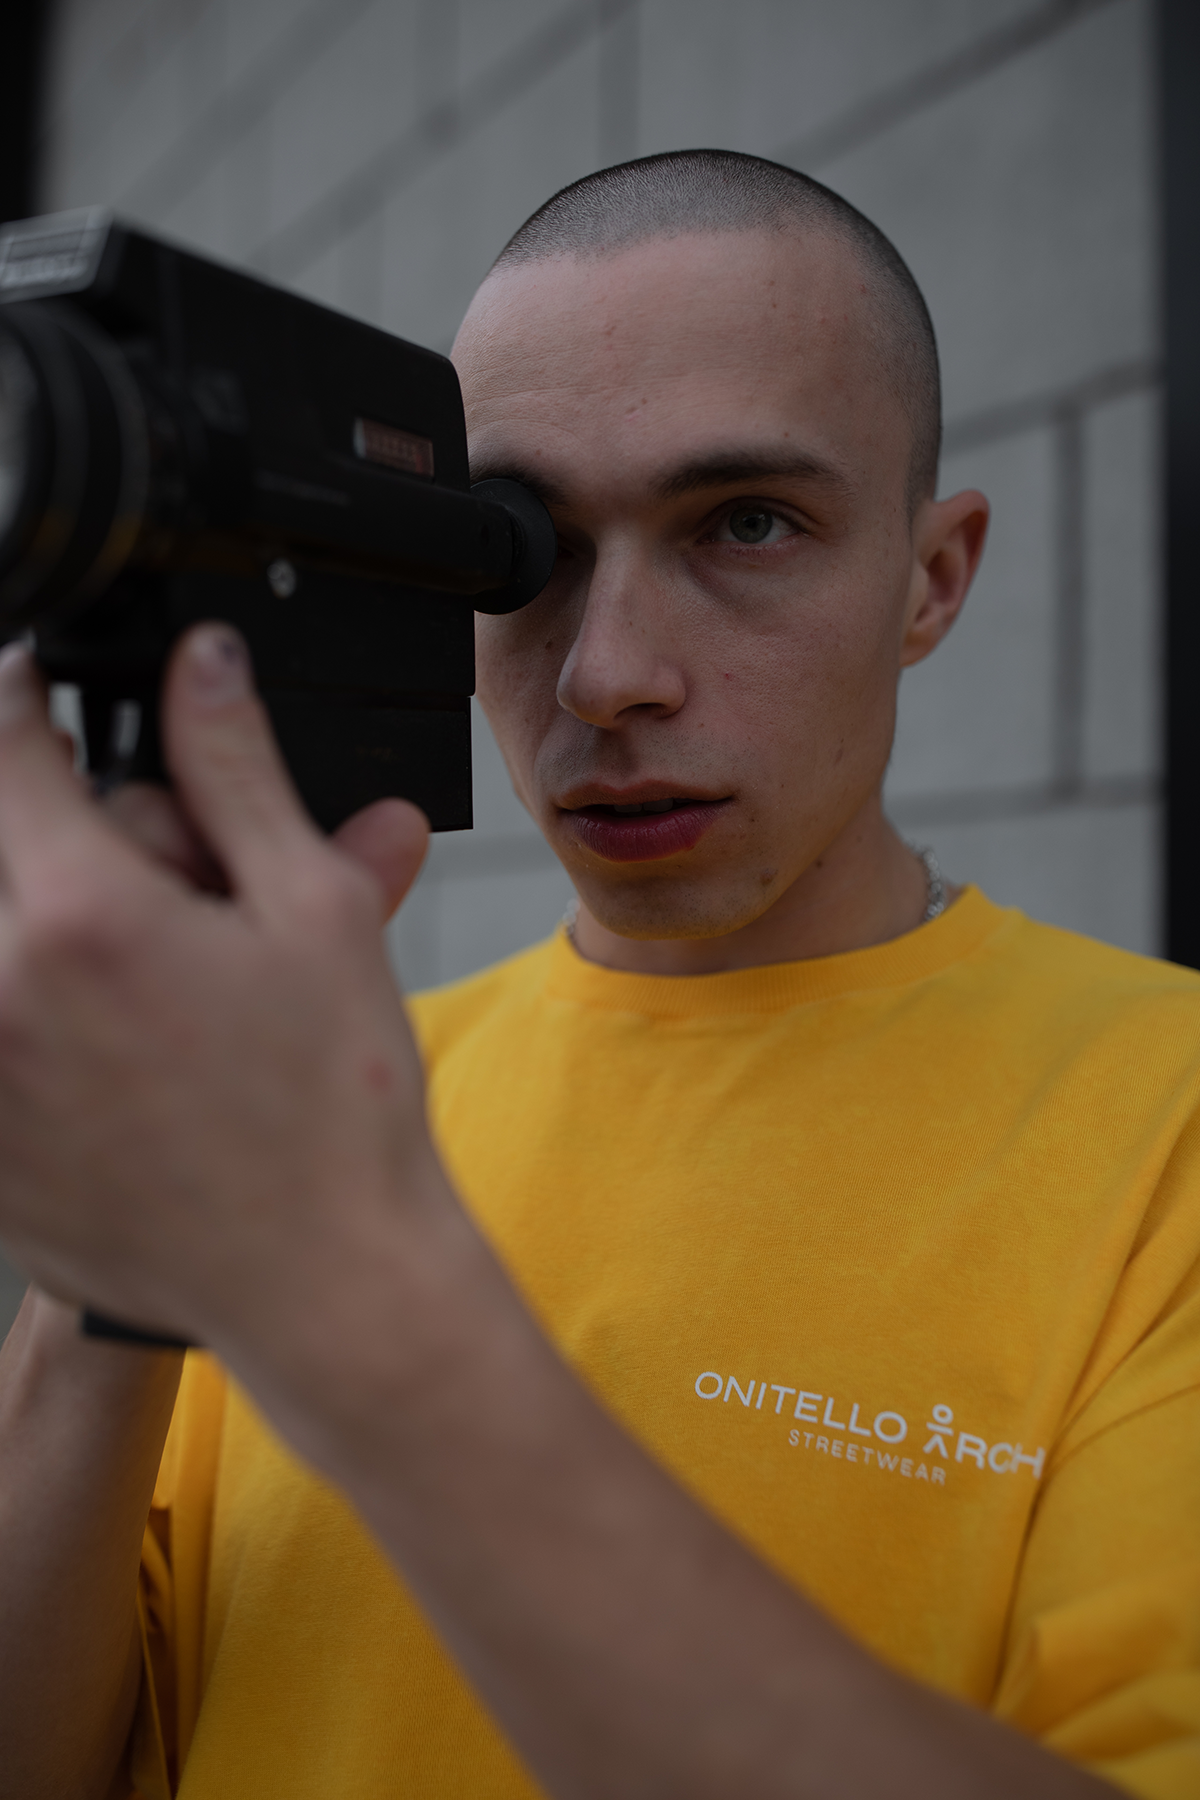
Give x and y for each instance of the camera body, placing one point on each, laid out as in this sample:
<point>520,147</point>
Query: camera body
<point>181,441</point>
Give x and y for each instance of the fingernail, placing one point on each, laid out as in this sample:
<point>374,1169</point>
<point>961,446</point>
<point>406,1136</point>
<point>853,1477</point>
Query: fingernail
<point>218,664</point>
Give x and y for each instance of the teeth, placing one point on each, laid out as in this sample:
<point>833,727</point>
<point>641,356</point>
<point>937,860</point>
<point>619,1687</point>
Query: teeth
<point>646,806</point>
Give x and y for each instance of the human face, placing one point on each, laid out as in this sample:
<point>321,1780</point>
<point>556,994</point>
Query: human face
<point>719,645</point>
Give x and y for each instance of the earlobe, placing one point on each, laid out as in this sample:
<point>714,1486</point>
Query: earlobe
<point>948,540</point>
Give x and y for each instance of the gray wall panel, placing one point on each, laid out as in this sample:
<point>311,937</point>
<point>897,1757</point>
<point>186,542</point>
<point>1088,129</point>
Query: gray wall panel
<point>1087,867</point>
<point>776,74</point>
<point>1021,202</point>
<point>377,153</point>
<point>989,688</point>
<point>1122,727</point>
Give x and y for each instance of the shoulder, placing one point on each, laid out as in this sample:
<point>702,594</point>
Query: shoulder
<point>446,1015</point>
<point>1057,968</point>
<point>1117,1029</point>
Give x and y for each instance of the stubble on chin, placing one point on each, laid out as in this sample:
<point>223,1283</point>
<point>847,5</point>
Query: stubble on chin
<point>658,908</point>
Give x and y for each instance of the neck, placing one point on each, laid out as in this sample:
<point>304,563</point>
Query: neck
<point>866,888</point>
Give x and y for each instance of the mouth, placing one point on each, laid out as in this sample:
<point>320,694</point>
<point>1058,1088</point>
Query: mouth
<point>641,830</point>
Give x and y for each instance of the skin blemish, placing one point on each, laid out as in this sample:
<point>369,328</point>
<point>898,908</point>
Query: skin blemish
<point>377,1075</point>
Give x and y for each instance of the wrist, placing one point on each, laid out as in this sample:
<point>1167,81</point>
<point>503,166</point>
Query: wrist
<point>369,1336</point>
<point>48,1341</point>
<point>71,1402</point>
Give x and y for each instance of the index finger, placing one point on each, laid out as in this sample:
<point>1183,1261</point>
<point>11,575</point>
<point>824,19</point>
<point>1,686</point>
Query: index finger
<point>48,823</point>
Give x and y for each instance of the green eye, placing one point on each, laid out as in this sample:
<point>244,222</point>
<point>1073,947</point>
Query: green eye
<point>751,524</point>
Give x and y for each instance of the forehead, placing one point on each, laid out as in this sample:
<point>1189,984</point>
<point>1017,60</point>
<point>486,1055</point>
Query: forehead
<point>610,364</point>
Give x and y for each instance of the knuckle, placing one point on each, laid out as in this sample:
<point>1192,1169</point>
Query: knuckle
<point>80,925</point>
<point>334,898</point>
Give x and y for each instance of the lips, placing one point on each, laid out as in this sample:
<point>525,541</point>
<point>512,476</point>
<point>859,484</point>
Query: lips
<point>642,830</point>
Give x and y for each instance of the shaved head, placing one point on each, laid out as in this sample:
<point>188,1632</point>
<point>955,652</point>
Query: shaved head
<point>699,192</point>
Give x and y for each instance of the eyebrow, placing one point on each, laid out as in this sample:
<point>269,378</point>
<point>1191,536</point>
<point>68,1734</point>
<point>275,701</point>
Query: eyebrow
<point>727,467</point>
<point>718,468</point>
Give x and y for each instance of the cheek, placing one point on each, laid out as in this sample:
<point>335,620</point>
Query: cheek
<point>824,668</point>
<point>516,677</point>
<point>816,702</point>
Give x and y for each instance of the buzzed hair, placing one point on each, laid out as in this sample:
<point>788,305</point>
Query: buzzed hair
<point>692,191</point>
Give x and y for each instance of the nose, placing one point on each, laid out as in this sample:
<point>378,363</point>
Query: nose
<point>627,653</point>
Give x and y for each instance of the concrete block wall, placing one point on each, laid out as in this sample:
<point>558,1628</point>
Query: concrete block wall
<point>377,153</point>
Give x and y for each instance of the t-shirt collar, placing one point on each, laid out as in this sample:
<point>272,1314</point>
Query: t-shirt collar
<point>956,934</point>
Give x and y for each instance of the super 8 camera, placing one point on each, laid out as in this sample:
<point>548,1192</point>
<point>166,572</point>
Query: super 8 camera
<point>180,441</point>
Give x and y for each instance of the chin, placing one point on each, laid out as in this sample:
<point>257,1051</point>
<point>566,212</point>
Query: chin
<point>661,909</point>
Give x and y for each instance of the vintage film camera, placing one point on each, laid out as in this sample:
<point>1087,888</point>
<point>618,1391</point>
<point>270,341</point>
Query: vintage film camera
<point>180,441</point>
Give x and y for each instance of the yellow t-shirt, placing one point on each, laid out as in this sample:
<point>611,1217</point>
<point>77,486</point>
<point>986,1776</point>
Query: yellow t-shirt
<point>893,1258</point>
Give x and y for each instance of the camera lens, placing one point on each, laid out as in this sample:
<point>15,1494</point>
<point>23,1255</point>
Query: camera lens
<point>73,463</point>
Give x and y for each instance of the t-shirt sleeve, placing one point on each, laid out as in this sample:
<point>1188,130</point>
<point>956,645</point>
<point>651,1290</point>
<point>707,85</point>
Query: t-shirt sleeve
<point>1104,1644</point>
<point>173,1579</point>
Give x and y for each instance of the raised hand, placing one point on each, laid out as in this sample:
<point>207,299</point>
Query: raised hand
<point>166,1050</point>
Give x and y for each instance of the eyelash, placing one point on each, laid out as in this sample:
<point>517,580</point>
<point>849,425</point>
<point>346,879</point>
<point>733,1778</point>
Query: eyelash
<point>791,524</point>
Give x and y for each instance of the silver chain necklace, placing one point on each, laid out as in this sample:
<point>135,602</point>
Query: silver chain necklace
<point>935,885</point>
<point>935,894</point>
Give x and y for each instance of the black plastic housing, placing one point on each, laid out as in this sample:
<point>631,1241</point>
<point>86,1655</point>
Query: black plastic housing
<point>183,441</point>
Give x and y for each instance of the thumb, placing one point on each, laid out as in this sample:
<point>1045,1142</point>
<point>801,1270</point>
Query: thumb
<point>389,838</point>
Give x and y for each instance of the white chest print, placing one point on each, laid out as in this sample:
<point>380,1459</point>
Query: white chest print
<point>838,1436</point>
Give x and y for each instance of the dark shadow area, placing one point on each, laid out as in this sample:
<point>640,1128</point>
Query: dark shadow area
<point>1180,76</point>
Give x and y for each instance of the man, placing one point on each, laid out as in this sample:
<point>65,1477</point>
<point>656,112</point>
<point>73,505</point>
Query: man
<point>769,1355</point>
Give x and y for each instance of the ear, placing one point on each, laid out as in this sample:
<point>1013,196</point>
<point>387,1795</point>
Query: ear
<point>948,538</point>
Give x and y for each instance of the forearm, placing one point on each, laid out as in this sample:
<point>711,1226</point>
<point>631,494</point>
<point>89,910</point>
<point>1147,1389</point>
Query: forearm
<point>624,1641</point>
<point>82,1426</point>
<point>212,1117</point>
